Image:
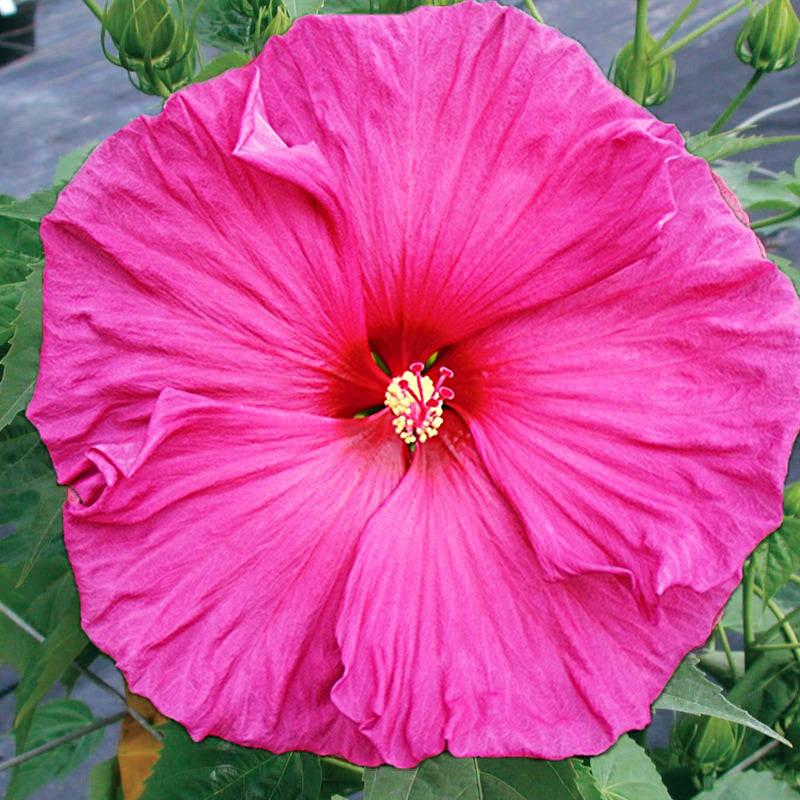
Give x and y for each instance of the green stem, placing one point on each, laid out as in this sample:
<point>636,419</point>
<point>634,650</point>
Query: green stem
<point>533,12</point>
<point>94,8</point>
<point>737,101</point>
<point>748,587</point>
<point>96,679</point>
<point>358,772</point>
<point>752,758</point>
<point>68,737</point>
<point>726,646</point>
<point>690,37</point>
<point>771,631</point>
<point>785,217</point>
<point>792,642</point>
<point>639,65</point>
<point>677,22</point>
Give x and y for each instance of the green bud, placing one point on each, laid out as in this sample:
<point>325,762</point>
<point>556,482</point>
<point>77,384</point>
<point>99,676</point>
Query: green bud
<point>172,77</point>
<point>708,744</point>
<point>141,29</point>
<point>280,22</point>
<point>770,37</point>
<point>660,76</point>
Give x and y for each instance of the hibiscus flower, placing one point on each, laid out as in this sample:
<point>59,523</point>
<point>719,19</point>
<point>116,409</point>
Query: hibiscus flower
<point>504,545</point>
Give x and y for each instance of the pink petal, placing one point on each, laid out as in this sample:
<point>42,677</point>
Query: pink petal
<point>487,160</point>
<point>452,637</point>
<point>177,258</point>
<point>215,582</point>
<point>643,426</point>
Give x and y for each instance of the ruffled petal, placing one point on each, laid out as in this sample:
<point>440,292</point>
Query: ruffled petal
<point>211,563</point>
<point>452,637</point>
<point>643,426</point>
<point>200,252</point>
<point>489,164</point>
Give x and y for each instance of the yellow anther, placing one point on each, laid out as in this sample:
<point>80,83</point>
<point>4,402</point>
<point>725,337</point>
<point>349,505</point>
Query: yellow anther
<point>417,403</point>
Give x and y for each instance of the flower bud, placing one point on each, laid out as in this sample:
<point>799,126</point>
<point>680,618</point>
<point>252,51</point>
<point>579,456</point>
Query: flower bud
<point>141,29</point>
<point>708,744</point>
<point>152,43</point>
<point>660,76</point>
<point>770,37</point>
<point>280,23</point>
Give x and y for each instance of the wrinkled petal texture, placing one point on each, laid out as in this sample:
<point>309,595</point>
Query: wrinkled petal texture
<point>269,569</point>
<point>502,661</point>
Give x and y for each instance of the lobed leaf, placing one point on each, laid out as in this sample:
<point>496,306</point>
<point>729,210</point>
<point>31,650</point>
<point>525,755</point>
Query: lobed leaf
<point>778,556</point>
<point>690,691</point>
<point>220,770</point>
<point>718,146</point>
<point>625,772</point>
<point>63,643</point>
<point>447,778</point>
<point>55,719</point>
<point>749,786</point>
<point>21,362</point>
<point>222,63</point>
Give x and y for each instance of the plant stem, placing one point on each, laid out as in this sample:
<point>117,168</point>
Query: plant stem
<point>748,586</point>
<point>769,111</point>
<point>792,642</point>
<point>753,757</point>
<point>771,631</point>
<point>533,12</point>
<point>51,745</point>
<point>737,101</point>
<point>639,64</point>
<point>676,23</point>
<point>94,8</point>
<point>690,37</point>
<point>726,646</point>
<point>96,679</point>
<point>785,217</point>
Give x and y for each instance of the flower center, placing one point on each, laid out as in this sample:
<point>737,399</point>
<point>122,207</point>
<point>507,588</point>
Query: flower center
<point>416,403</point>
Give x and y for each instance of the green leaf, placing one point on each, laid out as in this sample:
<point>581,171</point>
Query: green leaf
<point>690,691</point>
<point>714,147</point>
<point>625,772</point>
<point>14,269</point>
<point>63,643</point>
<point>302,8</point>
<point>778,556</point>
<point>220,64</point>
<point>55,719</point>
<point>220,770</point>
<point>525,778</point>
<point>70,163</point>
<point>32,208</point>
<point>748,786</point>
<point>46,526</point>
<point>786,267</point>
<point>447,778</point>
<point>348,7</point>
<point>21,362</point>
<point>439,778</point>
<point>587,786</point>
<point>104,781</point>
<point>20,237</point>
